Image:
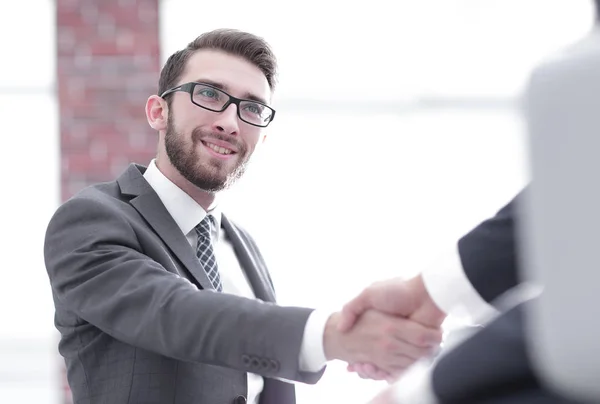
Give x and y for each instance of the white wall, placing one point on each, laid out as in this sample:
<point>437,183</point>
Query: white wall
<point>29,362</point>
<point>396,131</point>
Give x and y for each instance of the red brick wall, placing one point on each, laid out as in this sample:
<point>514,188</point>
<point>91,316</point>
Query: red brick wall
<point>108,62</point>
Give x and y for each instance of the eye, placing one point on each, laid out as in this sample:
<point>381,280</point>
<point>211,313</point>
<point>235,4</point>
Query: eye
<point>254,108</point>
<point>207,92</point>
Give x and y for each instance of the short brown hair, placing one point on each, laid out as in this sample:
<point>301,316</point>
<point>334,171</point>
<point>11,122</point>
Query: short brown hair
<point>252,48</point>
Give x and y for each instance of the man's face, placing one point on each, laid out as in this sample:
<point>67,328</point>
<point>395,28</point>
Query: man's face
<point>211,149</point>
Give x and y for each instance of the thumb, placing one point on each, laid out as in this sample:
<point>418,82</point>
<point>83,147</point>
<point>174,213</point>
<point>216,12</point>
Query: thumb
<point>352,310</point>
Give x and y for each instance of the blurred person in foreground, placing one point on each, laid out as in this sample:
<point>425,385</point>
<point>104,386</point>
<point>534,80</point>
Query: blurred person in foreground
<point>162,298</point>
<point>481,281</point>
<point>469,284</point>
<point>535,347</point>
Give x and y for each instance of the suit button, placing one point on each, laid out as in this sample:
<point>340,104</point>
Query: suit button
<point>239,400</point>
<point>274,365</point>
<point>246,360</point>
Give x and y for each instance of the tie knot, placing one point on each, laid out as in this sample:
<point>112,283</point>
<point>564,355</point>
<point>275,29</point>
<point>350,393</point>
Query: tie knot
<point>203,228</point>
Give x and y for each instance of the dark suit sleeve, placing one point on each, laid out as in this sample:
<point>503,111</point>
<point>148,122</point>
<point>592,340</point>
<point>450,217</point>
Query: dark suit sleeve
<point>493,357</point>
<point>99,274</point>
<point>493,366</point>
<point>488,253</point>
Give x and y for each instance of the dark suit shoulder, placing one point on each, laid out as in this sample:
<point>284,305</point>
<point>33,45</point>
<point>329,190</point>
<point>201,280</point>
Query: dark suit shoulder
<point>102,191</point>
<point>113,192</point>
<point>99,199</point>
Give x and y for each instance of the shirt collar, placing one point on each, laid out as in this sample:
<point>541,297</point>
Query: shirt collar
<point>186,212</point>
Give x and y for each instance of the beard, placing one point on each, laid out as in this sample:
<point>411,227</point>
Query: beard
<point>208,173</point>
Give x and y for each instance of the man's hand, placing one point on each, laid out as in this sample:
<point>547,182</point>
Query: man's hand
<point>388,342</point>
<point>397,297</point>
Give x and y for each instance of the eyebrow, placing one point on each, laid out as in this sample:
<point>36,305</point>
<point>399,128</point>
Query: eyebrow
<point>221,86</point>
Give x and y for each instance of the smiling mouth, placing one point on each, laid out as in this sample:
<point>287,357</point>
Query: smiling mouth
<point>218,149</point>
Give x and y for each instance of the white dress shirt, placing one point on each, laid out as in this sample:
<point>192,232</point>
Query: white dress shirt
<point>187,214</point>
<point>448,285</point>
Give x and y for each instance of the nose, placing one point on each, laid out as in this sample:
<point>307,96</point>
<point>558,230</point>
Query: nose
<point>227,121</point>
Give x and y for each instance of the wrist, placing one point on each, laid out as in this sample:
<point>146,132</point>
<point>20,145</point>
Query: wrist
<point>331,338</point>
<point>427,312</point>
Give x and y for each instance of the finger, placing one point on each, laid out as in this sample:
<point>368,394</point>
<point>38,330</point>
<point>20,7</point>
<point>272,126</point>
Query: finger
<point>358,367</point>
<point>391,297</point>
<point>402,337</point>
<point>354,367</point>
<point>388,376</point>
<point>375,373</point>
<point>396,356</point>
<point>381,375</point>
<point>351,367</point>
<point>401,362</point>
<point>370,371</point>
<point>387,371</point>
<point>411,352</point>
<point>416,334</point>
<point>352,310</point>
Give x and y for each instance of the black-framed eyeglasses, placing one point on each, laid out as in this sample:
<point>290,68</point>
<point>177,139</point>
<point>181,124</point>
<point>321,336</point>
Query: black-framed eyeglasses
<point>214,99</point>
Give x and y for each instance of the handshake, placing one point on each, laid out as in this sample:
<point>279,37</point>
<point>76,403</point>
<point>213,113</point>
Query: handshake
<point>385,329</point>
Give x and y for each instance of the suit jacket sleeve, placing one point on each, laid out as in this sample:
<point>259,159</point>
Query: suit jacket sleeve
<point>488,253</point>
<point>490,361</point>
<point>482,266</point>
<point>100,274</point>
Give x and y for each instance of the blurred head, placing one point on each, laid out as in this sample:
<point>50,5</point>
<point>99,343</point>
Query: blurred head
<point>212,107</point>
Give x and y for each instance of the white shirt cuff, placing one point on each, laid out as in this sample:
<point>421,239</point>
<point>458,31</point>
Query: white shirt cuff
<point>451,290</point>
<point>312,354</point>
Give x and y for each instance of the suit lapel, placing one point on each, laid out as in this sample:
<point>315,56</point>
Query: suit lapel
<point>249,262</point>
<point>149,205</point>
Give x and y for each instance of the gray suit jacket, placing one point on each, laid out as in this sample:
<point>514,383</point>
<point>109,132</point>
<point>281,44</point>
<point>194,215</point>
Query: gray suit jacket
<point>138,318</point>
